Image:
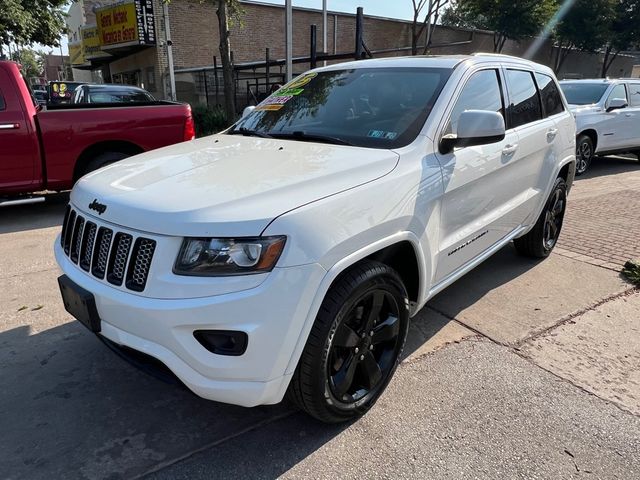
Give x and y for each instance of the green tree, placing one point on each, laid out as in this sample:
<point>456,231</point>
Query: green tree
<point>585,27</point>
<point>623,33</point>
<point>508,19</point>
<point>30,60</point>
<point>31,21</point>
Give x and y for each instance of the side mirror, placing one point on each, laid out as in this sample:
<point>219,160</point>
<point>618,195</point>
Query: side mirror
<point>248,110</point>
<point>475,127</point>
<point>616,104</point>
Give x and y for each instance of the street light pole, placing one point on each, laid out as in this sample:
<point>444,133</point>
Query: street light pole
<point>288,14</point>
<point>167,38</point>
<point>325,50</point>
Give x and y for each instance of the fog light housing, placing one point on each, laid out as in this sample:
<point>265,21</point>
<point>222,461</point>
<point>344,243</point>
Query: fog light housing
<point>223,342</point>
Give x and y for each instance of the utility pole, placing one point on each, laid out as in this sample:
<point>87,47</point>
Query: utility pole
<point>64,70</point>
<point>325,50</point>
<point>167,39</point>
<point>288,18</point>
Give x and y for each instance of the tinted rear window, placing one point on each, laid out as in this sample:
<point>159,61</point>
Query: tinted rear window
<point>551,99</point>
<point>525,103</point>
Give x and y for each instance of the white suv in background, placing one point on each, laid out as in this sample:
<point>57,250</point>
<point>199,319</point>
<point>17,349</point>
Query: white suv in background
<point>289,252</point>
<point>607,116</point>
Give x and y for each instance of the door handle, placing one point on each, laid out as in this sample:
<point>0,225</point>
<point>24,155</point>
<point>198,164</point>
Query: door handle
<point>628,114</point>
<point>510,149</point>
<point>551,133</point>
<point>9,126</point>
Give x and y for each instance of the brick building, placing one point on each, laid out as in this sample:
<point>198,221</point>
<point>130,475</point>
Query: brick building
<point>194,33</point>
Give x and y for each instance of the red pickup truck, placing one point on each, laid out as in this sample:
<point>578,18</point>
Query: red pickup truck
<point>49,149</point>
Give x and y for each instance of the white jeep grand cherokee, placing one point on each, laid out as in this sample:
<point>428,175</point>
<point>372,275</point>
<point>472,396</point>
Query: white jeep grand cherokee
<point>289,252</point>
<point>607,117</point>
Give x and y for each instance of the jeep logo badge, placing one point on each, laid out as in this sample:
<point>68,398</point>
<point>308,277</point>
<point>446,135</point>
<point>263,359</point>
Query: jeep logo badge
<point>97,206</point>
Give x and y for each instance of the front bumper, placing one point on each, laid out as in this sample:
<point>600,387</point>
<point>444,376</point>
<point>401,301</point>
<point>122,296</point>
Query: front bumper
<point>272,314</point>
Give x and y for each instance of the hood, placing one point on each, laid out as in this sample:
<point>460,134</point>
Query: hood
<point>224,185</point>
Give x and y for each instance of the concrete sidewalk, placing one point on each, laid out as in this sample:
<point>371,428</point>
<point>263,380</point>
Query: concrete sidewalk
<point>472,410</point>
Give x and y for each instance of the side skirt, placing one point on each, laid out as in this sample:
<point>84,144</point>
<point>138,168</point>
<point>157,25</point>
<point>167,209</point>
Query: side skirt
<point>470,265</point>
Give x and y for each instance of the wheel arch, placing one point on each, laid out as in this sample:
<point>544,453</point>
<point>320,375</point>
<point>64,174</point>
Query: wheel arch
<point>390,250</point>
<point>592,134</point>
<point>99,148</point>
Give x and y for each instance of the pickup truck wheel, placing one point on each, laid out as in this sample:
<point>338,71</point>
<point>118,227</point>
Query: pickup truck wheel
<point>103,160</point>
<point>543,237</point>
<point>354,346</point>
<point>584,153</point>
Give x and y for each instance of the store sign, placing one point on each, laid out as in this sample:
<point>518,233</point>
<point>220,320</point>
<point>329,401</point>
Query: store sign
<point>125,24</point>
<point>76,56</point>
<point>91,44</point>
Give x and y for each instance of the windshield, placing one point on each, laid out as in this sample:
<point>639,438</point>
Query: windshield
<point>579,93</point>
<point>367,107</point>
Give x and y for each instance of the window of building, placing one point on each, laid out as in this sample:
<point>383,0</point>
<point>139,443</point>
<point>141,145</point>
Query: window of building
<point>481,92</point>
<point>549,94</point>
<point>634,94</point>
<point>525,101</point>
<point>618,92</point>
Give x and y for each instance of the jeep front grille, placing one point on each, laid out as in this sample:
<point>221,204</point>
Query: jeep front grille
<point>118,257</point>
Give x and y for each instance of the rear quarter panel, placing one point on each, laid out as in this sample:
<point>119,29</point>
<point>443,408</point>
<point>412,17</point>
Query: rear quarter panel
<point>67,133</point>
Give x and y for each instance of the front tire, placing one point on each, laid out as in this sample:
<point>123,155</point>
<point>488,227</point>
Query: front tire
<point>354,346</point>
<point>584,153</point>
<point>539,242</point>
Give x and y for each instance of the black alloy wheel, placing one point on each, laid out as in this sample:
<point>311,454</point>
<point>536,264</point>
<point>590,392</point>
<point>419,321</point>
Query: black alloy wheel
<point>364,347</point>
<point>542,238</point>
<point>354,346</point>
<point>584,154</point>
<point>554,215</point>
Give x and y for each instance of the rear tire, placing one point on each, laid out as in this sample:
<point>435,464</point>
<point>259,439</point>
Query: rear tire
<point>354,346</point>
<point>103,160</point>
<point>584,153</point>
<point>540,241</point>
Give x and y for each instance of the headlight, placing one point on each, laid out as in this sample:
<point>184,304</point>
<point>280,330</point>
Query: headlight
<point>209,257</point>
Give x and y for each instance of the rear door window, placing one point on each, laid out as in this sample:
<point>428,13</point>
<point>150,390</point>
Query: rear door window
<point>525,102</point>
<point>2,104</point>
<point>481,92</point>
<point>634,94</point>
<point>549,94</point>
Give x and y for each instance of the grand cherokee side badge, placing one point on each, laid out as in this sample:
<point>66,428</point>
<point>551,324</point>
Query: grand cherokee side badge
<point>97,206</point>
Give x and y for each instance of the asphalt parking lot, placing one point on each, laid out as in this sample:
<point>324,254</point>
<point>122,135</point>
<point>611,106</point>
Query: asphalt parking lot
<point>522,369</point>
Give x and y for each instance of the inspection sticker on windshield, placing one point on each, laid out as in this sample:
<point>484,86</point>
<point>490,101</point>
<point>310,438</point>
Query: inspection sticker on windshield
<point>382,134</point>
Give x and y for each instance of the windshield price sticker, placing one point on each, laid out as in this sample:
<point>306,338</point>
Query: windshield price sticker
<point>301,82</point>
<point>269,108</point>
<point>285,92</point>
<point>274,101</point>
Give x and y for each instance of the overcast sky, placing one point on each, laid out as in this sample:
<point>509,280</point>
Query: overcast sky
<point>383,8</point>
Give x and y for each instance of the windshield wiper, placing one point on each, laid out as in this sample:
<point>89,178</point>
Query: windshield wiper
<point>311,137</point>
<point>248,132</point>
